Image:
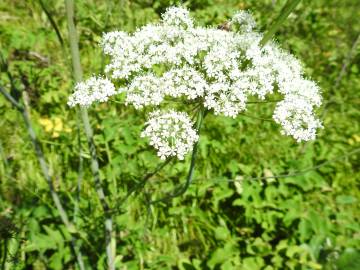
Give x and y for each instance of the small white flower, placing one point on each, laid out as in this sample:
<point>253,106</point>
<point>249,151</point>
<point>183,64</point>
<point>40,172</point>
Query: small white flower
<point>177,16</point>
<point>113,42</point>
<point>243,21</point>
<point>144,90</point>
<point>226,99</point>
<point>296,118</point>
<point>170,133</point>
<point>94,89</point>
<point>184,81</point>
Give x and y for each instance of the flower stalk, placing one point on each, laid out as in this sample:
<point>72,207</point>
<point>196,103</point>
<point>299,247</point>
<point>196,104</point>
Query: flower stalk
<point>77,70</point>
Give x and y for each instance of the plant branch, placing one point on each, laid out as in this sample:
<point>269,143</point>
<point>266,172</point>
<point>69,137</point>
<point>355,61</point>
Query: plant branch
<point>261,102</point>
<point>257,118</point>
<point>347,61</point>
<point>52,22</point>
<point>142,183</point>
<point>75,55</point>
<point>3,263</point>
<point>12,100</point>
<point>296,173</point>
<point>44,169</point>
<point>80,171</point>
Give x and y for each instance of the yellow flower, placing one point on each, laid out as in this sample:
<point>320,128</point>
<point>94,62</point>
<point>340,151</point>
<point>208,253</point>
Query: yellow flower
<point>58,124</point>
<point>47,124</point>
<point>354,139</point>
<point>54,126</point>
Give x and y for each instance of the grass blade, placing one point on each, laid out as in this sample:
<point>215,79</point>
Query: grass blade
<point>52,22</point>
<point>284,13</point>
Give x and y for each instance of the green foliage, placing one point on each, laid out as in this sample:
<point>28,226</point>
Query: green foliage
<point>308,220</point>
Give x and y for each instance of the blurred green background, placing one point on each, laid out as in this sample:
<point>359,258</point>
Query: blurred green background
<point>308,218</point>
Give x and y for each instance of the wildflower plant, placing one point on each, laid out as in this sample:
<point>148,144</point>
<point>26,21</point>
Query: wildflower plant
<point>175,67</point>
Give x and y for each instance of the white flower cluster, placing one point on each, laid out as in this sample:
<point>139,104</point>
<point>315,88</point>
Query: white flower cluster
<point>177,17</point>
<point>216,68</point>
<point>94,89</point>
<point>149,89</point>
<point>171,133</point>
<point>295,112</point>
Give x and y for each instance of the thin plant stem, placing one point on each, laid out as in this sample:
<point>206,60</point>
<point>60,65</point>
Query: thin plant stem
<point>142,183</point>
<point>113,178</point>
<point>5,68</point>
<point>257,118</point>
<point>44,169</point>
<point>52,22</point>
<point>77,70</point>
<point>11,99</point>
<point>3,157</point>
<point>157,169</point>
<point>294,174</point>
<point>261,102</point>
<point>342,73</point>
<point>80,171</point>
<point>347,61</point>
<point>3,263</point>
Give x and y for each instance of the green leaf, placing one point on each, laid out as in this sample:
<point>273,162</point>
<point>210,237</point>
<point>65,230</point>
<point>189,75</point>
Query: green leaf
<point>41,242</point>
<point>55,235</point>
<point>221,233</point>
<point>305,230</point>
<point>221,254</point>
<point>258,247</point>
<point>56,261</point>
<point>252,263</point>
<point>345,199</point>
<point>349,260</point>
<point>40,212</point>
<point>293,250</point>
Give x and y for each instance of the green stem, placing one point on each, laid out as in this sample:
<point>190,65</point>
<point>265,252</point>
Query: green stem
<point>142,183</point>
<point>75,55</point>
<point>44,168</point>
<point>347,61</point>
<point>284,13</point>
<point>52,22</point>
<point>80,171</point>
<point>3,157</point>
<point>3,263</point>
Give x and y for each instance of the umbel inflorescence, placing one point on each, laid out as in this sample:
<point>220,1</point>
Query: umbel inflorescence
<point>175,62</point>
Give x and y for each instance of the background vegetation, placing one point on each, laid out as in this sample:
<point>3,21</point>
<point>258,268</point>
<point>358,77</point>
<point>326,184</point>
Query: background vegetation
<point>259,200</point>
